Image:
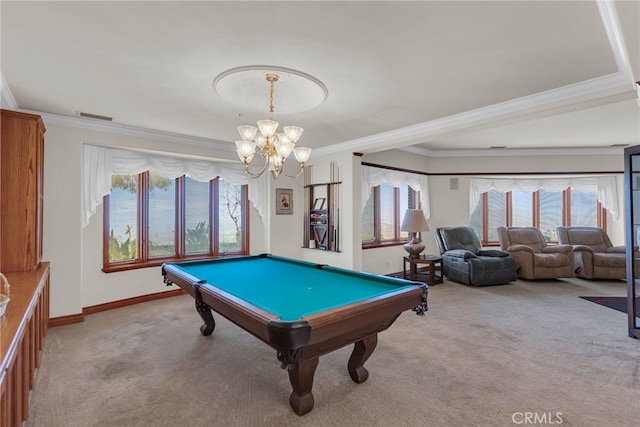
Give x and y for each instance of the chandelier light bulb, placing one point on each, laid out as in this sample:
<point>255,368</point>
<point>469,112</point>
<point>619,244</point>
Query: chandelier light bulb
<point>247,132</point>
<point>261,141</point>
<point>282,137</point>
<point>268,128</point>
<point>302,154</point>
<point>275,165</point>
<point>284,148</point>
<point>245,148</point>
<point>293,133</point>
<point>244,158</point>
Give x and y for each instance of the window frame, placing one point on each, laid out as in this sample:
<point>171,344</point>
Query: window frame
<point>377,242</point>
<point>142,248</point>
<point>601,213</point>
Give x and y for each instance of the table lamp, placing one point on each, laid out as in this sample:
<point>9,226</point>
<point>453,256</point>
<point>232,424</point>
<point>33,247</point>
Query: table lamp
<point>414,222</point>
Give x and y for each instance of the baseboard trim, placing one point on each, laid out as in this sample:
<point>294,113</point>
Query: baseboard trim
<point>130,301</point>
<point>65,320</point>
<point>78,318</point>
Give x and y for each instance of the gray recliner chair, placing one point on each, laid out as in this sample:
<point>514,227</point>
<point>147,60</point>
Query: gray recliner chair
<point>464,260</point>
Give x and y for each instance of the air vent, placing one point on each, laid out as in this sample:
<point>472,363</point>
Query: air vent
<point>95,116</point>
<point>619,145</point>
<point>498,147</point>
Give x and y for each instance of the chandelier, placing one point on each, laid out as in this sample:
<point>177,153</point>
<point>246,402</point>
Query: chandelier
<point>273,147</point>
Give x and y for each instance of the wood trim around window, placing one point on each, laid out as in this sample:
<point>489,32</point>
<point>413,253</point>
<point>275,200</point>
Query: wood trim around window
<point>142,260</point>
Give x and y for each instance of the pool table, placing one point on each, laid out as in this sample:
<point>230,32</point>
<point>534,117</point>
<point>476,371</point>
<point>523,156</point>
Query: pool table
<point>301,309</point>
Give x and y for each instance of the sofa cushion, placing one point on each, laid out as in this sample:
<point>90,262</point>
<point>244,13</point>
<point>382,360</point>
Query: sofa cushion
<point>493,253</point>
<point>460,253</point>
<point>492,270</point>
<point>552,260</point>
<point>529,237</point>
<point>612,260</point>
<point>592,238</point>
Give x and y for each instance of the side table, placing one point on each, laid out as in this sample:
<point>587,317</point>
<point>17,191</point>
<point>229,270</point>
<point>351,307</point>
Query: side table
<point>433,267</point>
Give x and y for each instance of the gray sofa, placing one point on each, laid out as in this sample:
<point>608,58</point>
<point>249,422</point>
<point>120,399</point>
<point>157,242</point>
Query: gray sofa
<point>464,260</point>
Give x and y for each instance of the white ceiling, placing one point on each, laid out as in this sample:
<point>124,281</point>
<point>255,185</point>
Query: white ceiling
<point>439,76</point>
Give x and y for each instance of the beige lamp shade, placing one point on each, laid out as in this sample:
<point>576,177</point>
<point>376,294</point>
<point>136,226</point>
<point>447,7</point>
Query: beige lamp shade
<point>413,222</point>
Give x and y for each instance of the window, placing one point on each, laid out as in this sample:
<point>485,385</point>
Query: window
<point>545,210</point>
<point>197,200</point>
<point>149,220</point>
<point>122,214</point>
<point>383,214</point>
<point>161,216</point>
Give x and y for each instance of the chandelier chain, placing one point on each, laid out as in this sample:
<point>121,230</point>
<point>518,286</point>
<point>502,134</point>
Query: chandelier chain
<point>271,78</point>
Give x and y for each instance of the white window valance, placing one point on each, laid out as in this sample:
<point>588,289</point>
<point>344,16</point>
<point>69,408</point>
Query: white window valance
<point>604,187</point>
<point>100,163</point>
<point>372,177</point>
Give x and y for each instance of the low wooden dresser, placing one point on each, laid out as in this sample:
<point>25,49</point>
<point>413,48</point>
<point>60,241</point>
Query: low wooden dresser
<point>22,332</point>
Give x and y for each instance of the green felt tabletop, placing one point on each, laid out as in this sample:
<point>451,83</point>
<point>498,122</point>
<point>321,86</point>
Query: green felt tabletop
<point>287,288</point>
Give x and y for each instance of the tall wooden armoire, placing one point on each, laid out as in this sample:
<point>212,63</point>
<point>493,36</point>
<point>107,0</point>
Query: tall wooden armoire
<point>21,191</point>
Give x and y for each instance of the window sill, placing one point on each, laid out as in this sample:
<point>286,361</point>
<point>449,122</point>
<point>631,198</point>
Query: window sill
<point>125,266</point>
<point>383,244</point>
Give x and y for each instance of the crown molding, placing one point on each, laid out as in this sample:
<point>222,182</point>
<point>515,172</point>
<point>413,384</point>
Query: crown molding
<point>102,126</point>
<point>611,25</point>
<point>512,152</point>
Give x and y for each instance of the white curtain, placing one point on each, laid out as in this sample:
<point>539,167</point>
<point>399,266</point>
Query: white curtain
<point>372,177</point>
<point>604,187</point>
<point>99,164</point>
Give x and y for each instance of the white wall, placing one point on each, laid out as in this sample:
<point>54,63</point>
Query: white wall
<point>285,230</point>
<point>62,235</point>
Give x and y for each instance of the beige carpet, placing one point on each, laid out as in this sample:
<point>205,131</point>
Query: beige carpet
<point>480,357</point>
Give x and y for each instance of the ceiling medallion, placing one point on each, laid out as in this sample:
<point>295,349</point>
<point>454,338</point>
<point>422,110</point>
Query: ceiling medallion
<point>247,88</point>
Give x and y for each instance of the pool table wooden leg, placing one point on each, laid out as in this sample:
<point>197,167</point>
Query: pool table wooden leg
<point>301,378</point>
<point>205,313</point>
<point>361,352</point>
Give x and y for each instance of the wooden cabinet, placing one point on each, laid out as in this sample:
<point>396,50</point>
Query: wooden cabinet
<point>21,191</point>
<point>322,211</point>
<point>319,223</point>
<point>22,333</point>
<point>322,222</point>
